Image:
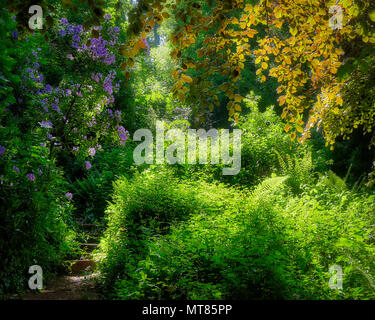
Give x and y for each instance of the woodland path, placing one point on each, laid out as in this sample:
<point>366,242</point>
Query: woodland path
<point>79,281</point>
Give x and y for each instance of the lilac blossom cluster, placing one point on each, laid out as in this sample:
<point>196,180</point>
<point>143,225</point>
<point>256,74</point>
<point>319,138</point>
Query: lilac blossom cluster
<point>98,48</point>
<point>54,101</point>
<point>123,135</point>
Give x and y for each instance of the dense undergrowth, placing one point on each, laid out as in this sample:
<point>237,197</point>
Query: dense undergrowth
<point>170,238</point>
<point>184,232</point>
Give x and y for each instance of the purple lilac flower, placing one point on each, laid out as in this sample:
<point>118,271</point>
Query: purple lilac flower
<point>88,165</point>
<point>15,34</point>
<point>79,94</point>
<point>62,32</point>
<point>99,147</point>
<point>55,107</point>
<point>108,87</point>
<point>43,144</point>
<point>118,114</point>
<point>70,56</point>
<point>75,148</point>
<point>2,150</point>
<point>48,88</point>
<point>64,21</point>
<point>71,29</point>
<point>30,176</point>
<point>69,196</point>
<point>78,29</point>
<point>123,136</point>
<point>16,169</point>
<point>92,152</point>
<point>46,124</point>
<point>109,59</point>
<point>95,77</point>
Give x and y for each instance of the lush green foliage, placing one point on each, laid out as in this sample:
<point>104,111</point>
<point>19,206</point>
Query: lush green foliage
<point>265,149</point>
<point>177,239</point>
<point>73,93</point>
<point>92,192</point>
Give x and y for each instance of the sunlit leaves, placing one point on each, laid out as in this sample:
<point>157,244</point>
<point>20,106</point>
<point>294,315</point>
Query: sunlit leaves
<point>305,57</point>
<point>186,78</point>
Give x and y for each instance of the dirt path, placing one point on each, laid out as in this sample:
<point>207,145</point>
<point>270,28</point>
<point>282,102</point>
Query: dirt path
<point>80,283</point>
<point>68,287</point>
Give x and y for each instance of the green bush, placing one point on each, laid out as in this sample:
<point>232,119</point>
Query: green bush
<point>147,206</point>
<point>230,251</point>
<point>333,226</point>
<point>173,239</point>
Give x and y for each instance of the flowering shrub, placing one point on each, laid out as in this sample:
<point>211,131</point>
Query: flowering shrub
<point>56,98</point>
<point>77,112</point>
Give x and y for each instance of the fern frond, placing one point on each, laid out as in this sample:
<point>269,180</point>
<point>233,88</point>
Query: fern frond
<point>267,187</point>
<point>334,181</point>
